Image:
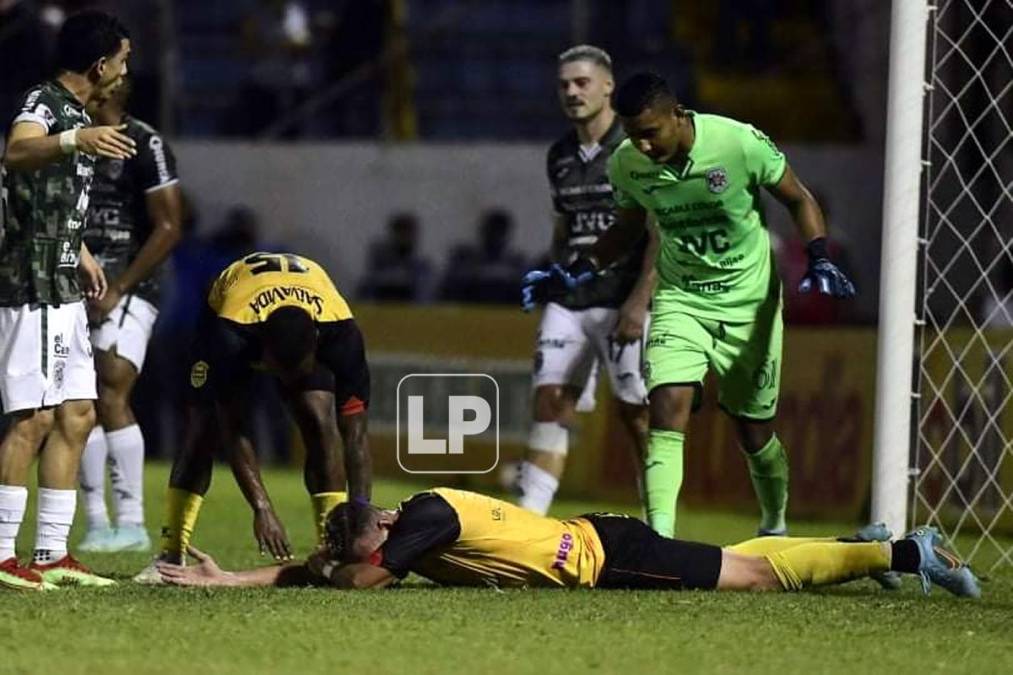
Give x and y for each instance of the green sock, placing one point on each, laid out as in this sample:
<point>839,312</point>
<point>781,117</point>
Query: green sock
<point>768,469</point>
<point>663,478</point>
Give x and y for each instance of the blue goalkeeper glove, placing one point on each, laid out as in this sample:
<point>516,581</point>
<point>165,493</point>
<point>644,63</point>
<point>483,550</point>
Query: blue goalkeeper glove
<point>823,274</point>
<point>542,285</point>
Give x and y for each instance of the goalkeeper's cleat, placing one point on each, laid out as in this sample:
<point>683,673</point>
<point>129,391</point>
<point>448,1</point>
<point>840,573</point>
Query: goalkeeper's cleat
<point>97,540</point>
<point>67,571</point>
<point>890,581</point>
<point>772,532</point>
<point>129,538</point>
<point>15,577</point>
<point>941,567</point>
<point>150,575</point>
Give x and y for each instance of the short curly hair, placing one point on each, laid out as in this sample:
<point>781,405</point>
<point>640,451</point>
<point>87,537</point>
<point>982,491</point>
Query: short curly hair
<point>344,524</point>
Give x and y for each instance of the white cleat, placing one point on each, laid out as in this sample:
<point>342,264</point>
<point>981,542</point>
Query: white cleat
<point>149,576</point>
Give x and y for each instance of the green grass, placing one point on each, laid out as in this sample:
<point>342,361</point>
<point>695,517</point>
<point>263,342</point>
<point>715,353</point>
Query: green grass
<point>421,629</point>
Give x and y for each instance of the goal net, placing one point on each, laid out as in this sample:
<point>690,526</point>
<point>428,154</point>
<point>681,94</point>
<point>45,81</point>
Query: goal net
<point>963,457</point>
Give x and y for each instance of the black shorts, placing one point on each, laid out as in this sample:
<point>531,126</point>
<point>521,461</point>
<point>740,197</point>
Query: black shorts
<point>223,354</point>
<point>638,557</point>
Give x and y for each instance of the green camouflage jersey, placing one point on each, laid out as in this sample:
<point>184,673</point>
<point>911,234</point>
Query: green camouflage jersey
<point>118,223</point>
<point>44,210</point>
<point>715,259</point>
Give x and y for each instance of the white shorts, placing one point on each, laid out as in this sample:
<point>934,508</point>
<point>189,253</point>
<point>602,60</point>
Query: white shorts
<point>572,343</point>
<point>127,328</point>
<point>45,356</point>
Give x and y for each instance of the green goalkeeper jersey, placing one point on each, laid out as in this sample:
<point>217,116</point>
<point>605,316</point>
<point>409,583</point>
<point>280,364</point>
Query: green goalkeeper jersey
<point>715,259</point>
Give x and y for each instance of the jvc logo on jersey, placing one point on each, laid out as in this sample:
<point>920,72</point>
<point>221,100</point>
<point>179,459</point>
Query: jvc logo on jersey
<point>447,423</point>
<point>699,244</point>
<point>592,222</point>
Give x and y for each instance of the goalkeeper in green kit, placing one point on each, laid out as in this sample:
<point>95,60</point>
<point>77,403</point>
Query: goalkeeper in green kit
<point>717,304</point>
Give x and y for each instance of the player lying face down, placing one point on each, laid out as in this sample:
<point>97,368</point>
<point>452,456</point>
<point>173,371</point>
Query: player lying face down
<point>278,313</point>
<point>459,538</point>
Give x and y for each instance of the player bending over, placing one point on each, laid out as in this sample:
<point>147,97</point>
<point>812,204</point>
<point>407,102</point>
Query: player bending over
<point>280,313</point>
<point>459,538</point>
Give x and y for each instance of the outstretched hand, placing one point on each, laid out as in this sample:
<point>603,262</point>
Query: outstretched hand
<point>205,573</point>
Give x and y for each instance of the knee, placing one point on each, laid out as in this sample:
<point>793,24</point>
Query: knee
<point>110,406</point>
<point>753,436</point>
<point>670,408</point>
<point>33,425</point>
<point>554,403</point>
<point>77,418</point>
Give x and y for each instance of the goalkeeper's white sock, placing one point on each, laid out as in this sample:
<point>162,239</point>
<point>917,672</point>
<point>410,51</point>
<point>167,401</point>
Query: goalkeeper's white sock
<point>537,487</point>
<point>126,459</point>
<point>93,479</point>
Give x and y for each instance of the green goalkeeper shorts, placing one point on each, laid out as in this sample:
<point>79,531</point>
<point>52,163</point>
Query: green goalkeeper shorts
<point>746,357</point>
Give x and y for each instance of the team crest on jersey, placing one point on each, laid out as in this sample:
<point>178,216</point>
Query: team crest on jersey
<point>199,374</point>
<point>717,180</point>
<point>114,168</point>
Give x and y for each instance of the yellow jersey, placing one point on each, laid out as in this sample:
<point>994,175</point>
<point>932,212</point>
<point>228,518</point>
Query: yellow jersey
<point>463,538</point>
<point>248,290</point>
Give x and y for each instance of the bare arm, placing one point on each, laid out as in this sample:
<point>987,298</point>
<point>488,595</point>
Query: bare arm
<point>644,289</point>
<point>30,147</point>
<point>165,207</point>
<point>165,211</point>
<point>805,212</point>
<point>313,572</point>
<point>358,461</point>
<point>620,237</point>
<point>267,529</point>
<point>633,313</point>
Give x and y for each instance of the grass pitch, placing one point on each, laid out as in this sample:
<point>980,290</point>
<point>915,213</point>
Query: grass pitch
<point>420,629</point>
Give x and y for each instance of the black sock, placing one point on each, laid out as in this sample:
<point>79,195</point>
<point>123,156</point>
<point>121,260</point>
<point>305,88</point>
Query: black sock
<point>905,556</point>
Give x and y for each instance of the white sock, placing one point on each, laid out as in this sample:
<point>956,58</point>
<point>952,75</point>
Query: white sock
<point>126,471</point>
<point>93,479</point>
<point>13,500</point>
<point>537,487</point>
<point>56,513</point>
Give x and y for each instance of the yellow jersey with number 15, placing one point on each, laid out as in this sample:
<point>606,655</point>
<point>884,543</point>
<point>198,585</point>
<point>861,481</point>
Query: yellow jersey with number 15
<point>248,290</point>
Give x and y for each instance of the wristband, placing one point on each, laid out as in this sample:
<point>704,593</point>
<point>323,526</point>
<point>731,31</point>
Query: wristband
<point>817,249</point>
<point>68,141</point>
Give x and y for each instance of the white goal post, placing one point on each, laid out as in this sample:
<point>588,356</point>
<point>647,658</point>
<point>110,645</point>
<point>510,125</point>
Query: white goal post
<point>899,263</point>
<point>946,296</point>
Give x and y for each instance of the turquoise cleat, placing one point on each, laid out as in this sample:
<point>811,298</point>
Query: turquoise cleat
<point>97,540</point>
<point>130,538</point>
<point>941,567</point>
<point>890,581</point>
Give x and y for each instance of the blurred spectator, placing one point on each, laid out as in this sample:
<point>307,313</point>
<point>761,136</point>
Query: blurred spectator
<point>395,271</point>
<point>812,308</point>
<point>24,53</point>
<point>277,37</point>
<point>489,272</point>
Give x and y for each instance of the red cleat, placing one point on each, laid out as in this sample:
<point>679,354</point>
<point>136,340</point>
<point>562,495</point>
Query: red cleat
<point>68,571</point>
<point>16,577</point>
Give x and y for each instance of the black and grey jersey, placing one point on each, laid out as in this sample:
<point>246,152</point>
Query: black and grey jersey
<point>582,198</point>
<point>118,223</point>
